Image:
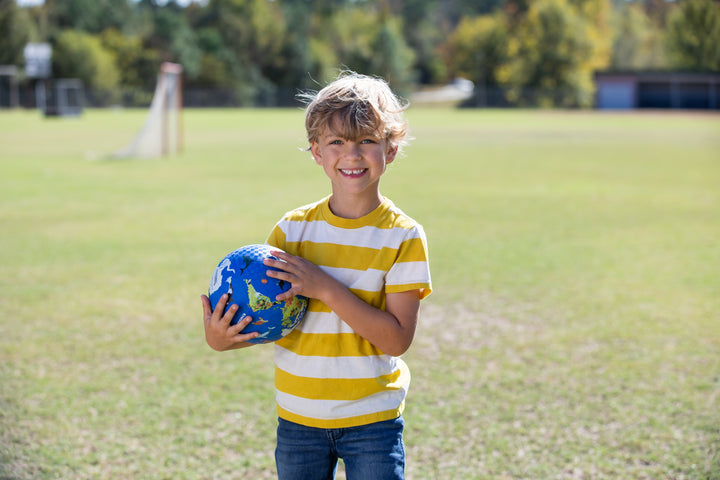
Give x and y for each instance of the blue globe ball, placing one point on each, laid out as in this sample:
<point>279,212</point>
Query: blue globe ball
<point>241,274</point>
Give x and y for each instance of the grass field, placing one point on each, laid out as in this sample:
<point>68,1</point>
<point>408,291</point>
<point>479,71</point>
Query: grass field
<point>573,333</point>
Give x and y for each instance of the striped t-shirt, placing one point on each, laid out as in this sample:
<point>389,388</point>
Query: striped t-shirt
<point>326,375</point>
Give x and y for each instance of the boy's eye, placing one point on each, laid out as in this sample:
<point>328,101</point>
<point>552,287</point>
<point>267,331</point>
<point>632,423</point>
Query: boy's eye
<point>336,142</point>
<point>368,140</point>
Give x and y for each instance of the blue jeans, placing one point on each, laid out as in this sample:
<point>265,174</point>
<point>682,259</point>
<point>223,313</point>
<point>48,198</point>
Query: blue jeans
<point>373,451</point>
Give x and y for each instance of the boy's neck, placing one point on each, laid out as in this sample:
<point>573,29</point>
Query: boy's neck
<point>352,207</point>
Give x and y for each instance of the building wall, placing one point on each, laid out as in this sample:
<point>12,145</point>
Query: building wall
<point>657,90</point>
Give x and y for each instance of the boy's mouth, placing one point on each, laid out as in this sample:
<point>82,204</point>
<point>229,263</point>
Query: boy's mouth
<point>354,172</point>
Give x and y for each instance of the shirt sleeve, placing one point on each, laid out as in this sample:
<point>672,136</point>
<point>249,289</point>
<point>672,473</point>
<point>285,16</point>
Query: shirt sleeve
<point>411,270</point>
<point>276,238</point>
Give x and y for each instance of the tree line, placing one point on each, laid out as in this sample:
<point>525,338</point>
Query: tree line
<point>260,52</point>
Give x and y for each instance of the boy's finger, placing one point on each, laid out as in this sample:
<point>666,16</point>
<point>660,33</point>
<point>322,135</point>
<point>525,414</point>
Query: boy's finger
<point>207,309</point>
<point>285,296</point>
<point>228,316</point>
<point>282,258</point>
<point>270,262</point>
<point>219,307</point>
<point>240,326</point>
<point>244,337</point>
<point>279,254</point>
<point>280,274</point>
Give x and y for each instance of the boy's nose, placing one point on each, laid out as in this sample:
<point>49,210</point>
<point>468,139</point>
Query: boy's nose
<point>353,150</point>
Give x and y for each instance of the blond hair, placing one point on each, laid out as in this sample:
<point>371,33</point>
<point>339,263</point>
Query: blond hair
<point>354,106</point>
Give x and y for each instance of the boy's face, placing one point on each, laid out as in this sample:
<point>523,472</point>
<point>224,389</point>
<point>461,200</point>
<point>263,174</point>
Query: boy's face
<point>354,166</point>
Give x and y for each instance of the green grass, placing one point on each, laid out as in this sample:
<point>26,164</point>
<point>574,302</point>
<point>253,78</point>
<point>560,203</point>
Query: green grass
<point>574,330</point>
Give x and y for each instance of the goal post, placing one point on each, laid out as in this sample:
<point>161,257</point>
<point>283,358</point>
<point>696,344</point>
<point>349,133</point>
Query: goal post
<point>162,133</point>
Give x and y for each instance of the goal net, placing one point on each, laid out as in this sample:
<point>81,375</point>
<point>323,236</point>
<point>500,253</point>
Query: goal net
<point>162,133</point>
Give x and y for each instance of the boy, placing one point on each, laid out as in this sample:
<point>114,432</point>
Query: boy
<point>363,264</point>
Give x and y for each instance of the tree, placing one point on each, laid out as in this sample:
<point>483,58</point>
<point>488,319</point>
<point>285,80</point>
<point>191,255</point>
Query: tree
<point>370,42</point>
<point>292,73</point>
<point>551,58</point>
<point>137,65</point>
<point>393,59</point>
<point>81,55</point>
<point>266,50</point>
<point>637,41</point>
<point>175,39</point>
<point>92,16</point>
<point>18,29</point>
<point>253,32</point>
<point>479,49</point>
<point>694,35</point>
<point>218,66</point>
<point>350,33</point>
<point>596,16</point>
<point>424,32</point>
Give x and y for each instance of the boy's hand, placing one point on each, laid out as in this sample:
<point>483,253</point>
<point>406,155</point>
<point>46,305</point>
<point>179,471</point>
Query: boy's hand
<point>306,278</point>
<point>218,332</point>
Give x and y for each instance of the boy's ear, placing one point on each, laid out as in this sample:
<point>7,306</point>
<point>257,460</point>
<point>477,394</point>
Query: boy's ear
<point>315,150</point>
<point>392,151</point>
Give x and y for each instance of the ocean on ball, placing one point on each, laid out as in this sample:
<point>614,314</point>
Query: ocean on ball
<point>241,274</point>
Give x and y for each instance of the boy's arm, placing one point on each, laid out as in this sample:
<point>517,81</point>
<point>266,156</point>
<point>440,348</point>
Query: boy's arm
<point>391,330</point>
<point>218,332</point>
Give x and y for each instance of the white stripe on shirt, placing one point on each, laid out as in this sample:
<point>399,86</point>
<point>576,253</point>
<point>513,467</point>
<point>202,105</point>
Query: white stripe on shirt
<point>323,322</point>
<point>407,272</point>
<point>335,367</point>
<point>320,231</point>
<point>336,409</point>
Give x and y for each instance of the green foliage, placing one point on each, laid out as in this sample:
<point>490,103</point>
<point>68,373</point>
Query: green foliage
<point>81,55</point>
<point>136,64</point>
<point>174,34</point>
<point>263,51</point>
<point>366,40</point>
<point>550,56</point>
<point>694,35</point>
<point>637,42</point>
<point>218,63</point>
<point>479,47</point>
<point>425,39</point>
<point>349,32</point>
<point>17,30</point>
<point>252,33</point>
<point>92,16</point>
<point>324,60</point>
<point>292,71</point>
<point>392,59</point>
<point>425,30</point>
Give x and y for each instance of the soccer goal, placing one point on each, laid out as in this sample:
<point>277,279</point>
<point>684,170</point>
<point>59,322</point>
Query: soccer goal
<point>9,91</point>
<point>64,98</point>
<point>162,134</point>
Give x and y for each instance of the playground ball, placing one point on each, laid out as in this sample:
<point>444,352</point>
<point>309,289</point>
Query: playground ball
<point>241,274</point>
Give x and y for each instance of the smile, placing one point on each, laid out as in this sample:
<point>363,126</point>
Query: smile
<point>353,172</point>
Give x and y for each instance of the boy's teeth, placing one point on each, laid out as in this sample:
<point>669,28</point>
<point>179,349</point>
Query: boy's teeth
<point>353,172</point>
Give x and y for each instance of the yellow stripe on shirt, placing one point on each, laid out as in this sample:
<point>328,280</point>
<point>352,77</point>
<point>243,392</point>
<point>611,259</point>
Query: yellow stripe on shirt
<point>328,344</point>
<point>338,388</point>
